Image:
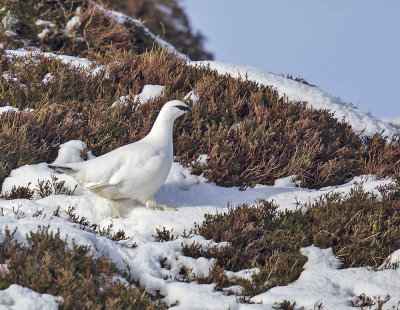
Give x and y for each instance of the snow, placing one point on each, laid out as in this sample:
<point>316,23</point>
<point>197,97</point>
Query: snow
<point>17,297</point>
<point>235,126</point>
<point>193,196</point>
<point>73,23</point>
<point>121,18</point>
<point>10,77</point>
<point>10,33</point>
<point>395,121</point>
<point>149,92</point>
<point>322,281</point>
<point>13,109</point>
<point>392,260</point>
<point>156,264</point>
<point>192,95</point>
<point>285,182</point>
<point>3,270</point>
<point>7,109</point>
<point>74,62</point>
<point>43,33</point>
<point>41,22</point>
<point>202,160</point>
<point>48,78</point>
<point>70,152</point>
<point>243,274</point>
<point>362,123</point>
<point>169,14</point>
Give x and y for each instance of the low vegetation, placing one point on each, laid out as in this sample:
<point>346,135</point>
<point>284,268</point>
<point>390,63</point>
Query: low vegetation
<point>46,265</point>
<point>175,26</point>
<point>361,228</point>
<point>79,28</point>
<point>250,134</point>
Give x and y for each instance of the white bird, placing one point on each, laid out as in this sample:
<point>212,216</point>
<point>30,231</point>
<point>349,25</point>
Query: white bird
<point>133,172</point>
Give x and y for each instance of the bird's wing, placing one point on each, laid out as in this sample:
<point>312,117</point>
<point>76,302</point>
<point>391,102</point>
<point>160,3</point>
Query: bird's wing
<point>105,190</point>
<point>105,174</point>
<point>133,180</point>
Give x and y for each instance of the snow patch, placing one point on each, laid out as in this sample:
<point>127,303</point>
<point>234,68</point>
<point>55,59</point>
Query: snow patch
<point>322,281</point>
<point>202,160</point>
<point>48,78</point>
<point>149,92</point>
<point>70,152</point>
<point>7,109</point>
<point>4,270</point>
<point>121,18</point>
<point>192,96</point>
<point>246,274</point>
<point>7,76</point>
<point>157,265</point>
<point>16,297</point>
<point>361,122</point>
<point>394,121</point>
<point>41,22</point>
<point>74,22</point>
<point>43,33</point>
<point>30,175</point>
<point>235,126</point>
<point>10,33</point>
<point>74,62</point>
<point>286,182</point>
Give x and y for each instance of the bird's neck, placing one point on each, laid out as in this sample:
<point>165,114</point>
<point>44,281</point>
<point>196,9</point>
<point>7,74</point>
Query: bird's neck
<point>161,133</point>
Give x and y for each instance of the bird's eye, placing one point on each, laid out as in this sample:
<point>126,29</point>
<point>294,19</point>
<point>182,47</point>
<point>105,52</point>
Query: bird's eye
<point>183,108</point>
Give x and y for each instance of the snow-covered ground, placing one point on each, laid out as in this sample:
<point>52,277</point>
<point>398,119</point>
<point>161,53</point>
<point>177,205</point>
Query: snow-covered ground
<point>316,98</point>
<point>321,281</point>
<point>149,92</point>
<point>74,62</point>
<point>193,196</point>
<point>17,297</point>
<point>122,18</point>
<point>363,123</point>
<point>394,121</point>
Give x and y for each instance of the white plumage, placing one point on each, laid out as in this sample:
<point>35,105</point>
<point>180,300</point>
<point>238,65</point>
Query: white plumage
<point>133,172</point>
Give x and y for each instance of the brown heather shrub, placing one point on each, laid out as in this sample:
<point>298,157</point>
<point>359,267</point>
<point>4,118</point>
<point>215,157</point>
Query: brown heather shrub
<point>42,188</point>
<point>47,265</point>
<point>97,32</point>
<point>365,302</point>
<point>251,135</point>
<point>361,228</point>
<point>284,305</point>
<point>381,156</point>
<point>162,18</point>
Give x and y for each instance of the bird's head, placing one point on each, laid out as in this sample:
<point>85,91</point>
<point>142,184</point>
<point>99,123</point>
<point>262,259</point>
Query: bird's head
<point>175,108</point>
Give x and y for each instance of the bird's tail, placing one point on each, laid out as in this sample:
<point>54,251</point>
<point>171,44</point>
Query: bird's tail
<point>62,169</point>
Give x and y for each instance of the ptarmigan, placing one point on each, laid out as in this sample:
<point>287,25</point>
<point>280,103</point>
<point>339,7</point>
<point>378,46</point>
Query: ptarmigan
<point>133,172</point>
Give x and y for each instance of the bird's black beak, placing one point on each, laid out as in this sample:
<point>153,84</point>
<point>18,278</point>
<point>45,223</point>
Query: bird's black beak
<point>184,108</point>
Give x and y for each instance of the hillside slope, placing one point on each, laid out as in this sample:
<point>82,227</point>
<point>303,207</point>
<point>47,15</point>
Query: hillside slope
<point>362,123</point>
<point>166,19</point>
<point>279,203</point>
